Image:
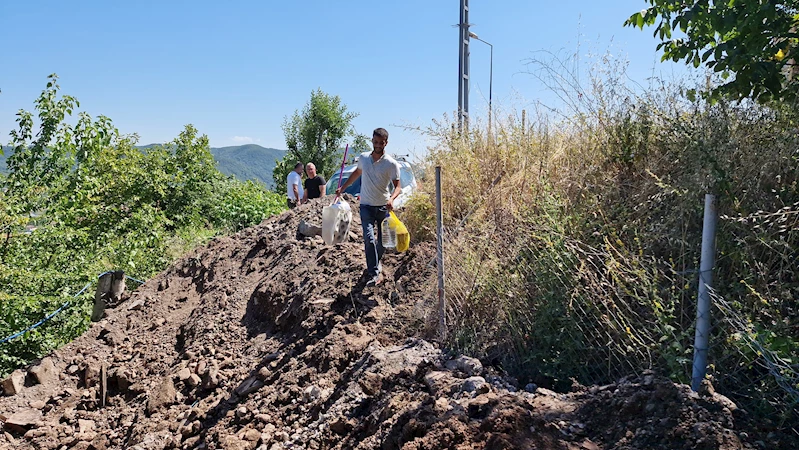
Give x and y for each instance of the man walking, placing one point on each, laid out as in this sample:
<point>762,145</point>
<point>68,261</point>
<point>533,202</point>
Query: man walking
<point>314,184</point>
<point>294,186</point>
<point>378,172</point>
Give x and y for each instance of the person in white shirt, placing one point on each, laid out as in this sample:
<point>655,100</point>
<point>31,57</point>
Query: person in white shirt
<point>294,186</point>
<point>380,185</point>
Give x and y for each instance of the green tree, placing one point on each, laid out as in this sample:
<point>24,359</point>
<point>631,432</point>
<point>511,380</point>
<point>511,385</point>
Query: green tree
<point>315,134</point>
<point>41,161</point>
<point>751,44</point>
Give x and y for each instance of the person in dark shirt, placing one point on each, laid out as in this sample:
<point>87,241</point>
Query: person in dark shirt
<point>314,184</point>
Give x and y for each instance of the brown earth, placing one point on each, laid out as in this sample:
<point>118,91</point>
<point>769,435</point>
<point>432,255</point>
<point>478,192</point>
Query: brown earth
<point>263,340</point>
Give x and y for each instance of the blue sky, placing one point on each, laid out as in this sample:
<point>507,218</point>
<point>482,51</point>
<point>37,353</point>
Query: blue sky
<point>235,69</point>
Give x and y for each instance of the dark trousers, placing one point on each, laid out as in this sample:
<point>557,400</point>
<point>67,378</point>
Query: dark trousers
<point>371,218</point>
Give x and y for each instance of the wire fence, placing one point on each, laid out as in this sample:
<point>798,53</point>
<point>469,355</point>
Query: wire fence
<point>533,292</point>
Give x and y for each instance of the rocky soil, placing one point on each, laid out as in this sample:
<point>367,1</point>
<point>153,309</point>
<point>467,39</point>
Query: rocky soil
<point>268,340</point>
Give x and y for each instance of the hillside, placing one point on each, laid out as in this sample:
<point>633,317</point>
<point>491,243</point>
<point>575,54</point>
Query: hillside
<point>245,162</point>
<point>248,162</point>
<point>264,340</point>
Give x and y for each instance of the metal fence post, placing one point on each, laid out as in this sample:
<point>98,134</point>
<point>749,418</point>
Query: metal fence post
<point>442,321</point>
<point>707,261</point>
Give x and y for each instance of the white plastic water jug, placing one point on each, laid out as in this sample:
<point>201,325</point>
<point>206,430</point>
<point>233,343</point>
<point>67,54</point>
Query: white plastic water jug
<point>389,233</point>
<point>336,220</point>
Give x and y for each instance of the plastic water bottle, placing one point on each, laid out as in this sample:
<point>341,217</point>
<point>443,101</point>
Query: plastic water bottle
<point>389,234</point>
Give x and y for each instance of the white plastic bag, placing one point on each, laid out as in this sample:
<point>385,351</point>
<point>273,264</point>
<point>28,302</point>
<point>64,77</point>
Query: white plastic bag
<point>336,220</point>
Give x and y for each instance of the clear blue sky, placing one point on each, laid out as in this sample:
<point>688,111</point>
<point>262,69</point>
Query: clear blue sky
<point>235,69</point>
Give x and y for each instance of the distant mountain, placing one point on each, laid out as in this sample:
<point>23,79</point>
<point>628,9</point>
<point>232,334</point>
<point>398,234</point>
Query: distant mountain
<point>245,162</point>
<point>248,162</point>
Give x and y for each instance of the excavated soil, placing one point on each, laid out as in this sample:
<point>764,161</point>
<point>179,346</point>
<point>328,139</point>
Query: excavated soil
<point>268,340</point>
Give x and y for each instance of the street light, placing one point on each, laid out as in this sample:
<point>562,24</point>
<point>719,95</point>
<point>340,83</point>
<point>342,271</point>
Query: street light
<point>490,78</point>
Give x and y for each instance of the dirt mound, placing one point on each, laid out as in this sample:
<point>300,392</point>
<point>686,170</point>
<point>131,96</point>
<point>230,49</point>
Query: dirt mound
<point>267,340</point>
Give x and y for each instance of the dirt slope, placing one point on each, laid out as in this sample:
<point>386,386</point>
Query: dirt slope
<point>264,340</point>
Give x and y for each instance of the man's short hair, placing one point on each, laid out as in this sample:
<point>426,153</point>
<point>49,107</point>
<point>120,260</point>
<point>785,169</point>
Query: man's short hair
<point>380,132</point>
<point>299,164</point>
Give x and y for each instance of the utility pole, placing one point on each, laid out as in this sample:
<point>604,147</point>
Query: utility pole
<point>463,66</point>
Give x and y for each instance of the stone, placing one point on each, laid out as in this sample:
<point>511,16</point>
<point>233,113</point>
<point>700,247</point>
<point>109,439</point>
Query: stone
<point>164,395</point>
<point>22,421</point>
<point>136,305</point>
<point>531,387</point>
<point>476,384</point>
<point>341,426</point>
<point>91,374</point>
<point>111,336</point>
<point>194,380</point>
<point>124,378</point>
<point>252,435</point>
<point>14,384</point>
<point>263,373</point>
<point>234,443</point>
<point>249,386</point>
<point>371,383</point>
<point>184,374</point>
<point>85,425</point>
<point>706,388</point>
<point>311,393</point>
<point>211,379</point>
<point>465,364</point>
<point>38,405</point>
<point>438,382</point>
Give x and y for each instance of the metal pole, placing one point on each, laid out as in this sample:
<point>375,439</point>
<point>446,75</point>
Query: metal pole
<point>708,260</point>
<point>467,50</point>
<point>463,65</point>
<point>460,68</point>
<point>442,320</point>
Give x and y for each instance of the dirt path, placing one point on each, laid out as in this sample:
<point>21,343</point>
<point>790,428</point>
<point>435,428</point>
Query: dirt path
<point>264,340</point>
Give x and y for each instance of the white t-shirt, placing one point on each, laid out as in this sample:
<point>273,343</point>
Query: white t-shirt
<point>292,179</point>
<point>376,178</point>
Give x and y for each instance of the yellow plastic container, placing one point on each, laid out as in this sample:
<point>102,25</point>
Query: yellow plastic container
<point>403,237</point>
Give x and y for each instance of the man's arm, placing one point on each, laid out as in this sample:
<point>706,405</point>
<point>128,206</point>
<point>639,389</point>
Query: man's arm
<point>305,193</point>
<point>397,192</point>
<point>322,189</point>
<point>355,175</point>
<point>296,192</point>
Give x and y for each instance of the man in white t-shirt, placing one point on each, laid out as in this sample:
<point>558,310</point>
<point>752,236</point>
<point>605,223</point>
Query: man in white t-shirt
<point>380,172</point>
<point>294,186</point>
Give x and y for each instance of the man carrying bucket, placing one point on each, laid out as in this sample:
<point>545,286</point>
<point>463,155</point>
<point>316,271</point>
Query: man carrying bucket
<point>380,171</point>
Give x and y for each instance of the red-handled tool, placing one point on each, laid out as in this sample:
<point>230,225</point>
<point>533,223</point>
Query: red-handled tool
<point>341,173</point>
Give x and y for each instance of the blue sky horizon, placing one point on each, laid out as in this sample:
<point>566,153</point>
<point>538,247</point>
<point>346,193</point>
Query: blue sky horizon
<point>234,70</point>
